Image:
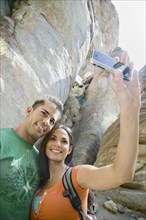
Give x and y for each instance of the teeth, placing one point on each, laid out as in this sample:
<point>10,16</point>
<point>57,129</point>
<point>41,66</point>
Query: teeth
<point>56,151</point>
<point>41,128</point>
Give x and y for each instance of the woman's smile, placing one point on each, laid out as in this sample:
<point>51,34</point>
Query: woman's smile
<point>55,151</point>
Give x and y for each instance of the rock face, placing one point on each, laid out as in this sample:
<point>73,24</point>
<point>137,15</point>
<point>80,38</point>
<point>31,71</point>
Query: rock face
<point>133,194</point>
<point>45,45</point>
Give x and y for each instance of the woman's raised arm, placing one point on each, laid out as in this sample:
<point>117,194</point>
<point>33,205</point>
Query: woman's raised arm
<point>123,168</point>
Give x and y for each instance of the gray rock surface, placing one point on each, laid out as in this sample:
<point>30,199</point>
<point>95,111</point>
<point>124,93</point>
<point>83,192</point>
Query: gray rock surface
<point>44,46</point>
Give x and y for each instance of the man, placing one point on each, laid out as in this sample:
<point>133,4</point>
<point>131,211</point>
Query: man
<point>18,159</point>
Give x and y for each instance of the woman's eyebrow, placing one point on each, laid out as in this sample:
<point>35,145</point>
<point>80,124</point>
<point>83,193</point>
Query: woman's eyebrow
<point>53,135</point>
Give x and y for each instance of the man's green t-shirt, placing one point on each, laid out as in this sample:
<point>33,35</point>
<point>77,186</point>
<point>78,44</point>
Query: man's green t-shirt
<point>18,175</point>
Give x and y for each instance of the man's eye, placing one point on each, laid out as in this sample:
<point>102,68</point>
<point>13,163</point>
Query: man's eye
<point>43,113</point>
<point>52,122</point>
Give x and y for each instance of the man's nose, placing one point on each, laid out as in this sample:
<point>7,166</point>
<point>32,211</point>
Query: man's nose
<point>46,121</point>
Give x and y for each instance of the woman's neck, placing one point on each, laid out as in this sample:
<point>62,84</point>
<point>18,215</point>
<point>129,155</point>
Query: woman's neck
<point>56,172</point>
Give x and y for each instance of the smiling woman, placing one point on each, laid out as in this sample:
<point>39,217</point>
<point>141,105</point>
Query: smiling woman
<point>58,146</point>
<point>56,152</point>
<point>132,29</point>
<point>54,143</point>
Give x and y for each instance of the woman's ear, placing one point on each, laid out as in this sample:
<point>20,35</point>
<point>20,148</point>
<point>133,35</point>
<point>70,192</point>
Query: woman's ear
<point>70,149</point>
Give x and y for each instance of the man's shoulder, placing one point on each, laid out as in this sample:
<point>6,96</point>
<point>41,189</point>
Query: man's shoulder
<point>5,130</point>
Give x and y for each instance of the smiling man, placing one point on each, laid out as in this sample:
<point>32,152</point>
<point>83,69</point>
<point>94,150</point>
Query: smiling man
<point>18,160</point>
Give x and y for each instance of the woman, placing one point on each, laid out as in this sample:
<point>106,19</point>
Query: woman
<point>56,153</point>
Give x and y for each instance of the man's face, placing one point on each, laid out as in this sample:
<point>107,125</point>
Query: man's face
<point>41,120</point>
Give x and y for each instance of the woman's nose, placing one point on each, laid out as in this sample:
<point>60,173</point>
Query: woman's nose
<point>57,143</point>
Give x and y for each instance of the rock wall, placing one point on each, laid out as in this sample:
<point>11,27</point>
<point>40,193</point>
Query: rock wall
<point>45,45</point>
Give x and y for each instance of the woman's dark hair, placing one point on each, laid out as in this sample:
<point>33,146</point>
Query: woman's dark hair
<point>43,159</point>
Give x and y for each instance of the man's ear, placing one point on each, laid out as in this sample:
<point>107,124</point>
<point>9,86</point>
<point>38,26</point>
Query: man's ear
<point>29,110</point>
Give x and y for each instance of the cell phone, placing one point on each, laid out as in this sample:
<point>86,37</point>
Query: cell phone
<point>108,63</point>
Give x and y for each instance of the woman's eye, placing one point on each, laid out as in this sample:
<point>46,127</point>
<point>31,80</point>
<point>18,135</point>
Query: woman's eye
<point>64,142</point>
<point>52,138</point>
<point>52,122</point>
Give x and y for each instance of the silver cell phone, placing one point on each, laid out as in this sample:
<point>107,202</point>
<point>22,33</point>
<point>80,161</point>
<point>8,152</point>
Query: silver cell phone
<point>108,63</point>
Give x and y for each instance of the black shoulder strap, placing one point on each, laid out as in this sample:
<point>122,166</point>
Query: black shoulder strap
<point>72,194</point>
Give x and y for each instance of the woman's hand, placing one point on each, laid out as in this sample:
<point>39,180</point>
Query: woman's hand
<point>123,167</point>
<point>127,92</point>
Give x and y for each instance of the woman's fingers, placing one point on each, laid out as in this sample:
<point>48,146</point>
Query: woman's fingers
<point>131,65</point>
<point>124,57</point>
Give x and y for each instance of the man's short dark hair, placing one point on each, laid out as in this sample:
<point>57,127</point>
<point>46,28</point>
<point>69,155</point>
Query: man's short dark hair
<point>52,99</point>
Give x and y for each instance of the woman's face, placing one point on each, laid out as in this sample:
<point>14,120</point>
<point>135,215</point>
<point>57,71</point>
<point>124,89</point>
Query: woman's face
<point>58,146</point>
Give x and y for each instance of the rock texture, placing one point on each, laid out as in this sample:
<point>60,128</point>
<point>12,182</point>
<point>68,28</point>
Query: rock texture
<point>133,194</point>
<point>45,49</point>
<point>47,44</point>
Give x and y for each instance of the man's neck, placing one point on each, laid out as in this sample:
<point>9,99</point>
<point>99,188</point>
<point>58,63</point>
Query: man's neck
<point>22,133</point>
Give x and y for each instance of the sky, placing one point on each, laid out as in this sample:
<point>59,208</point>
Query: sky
<point>132,30</point>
